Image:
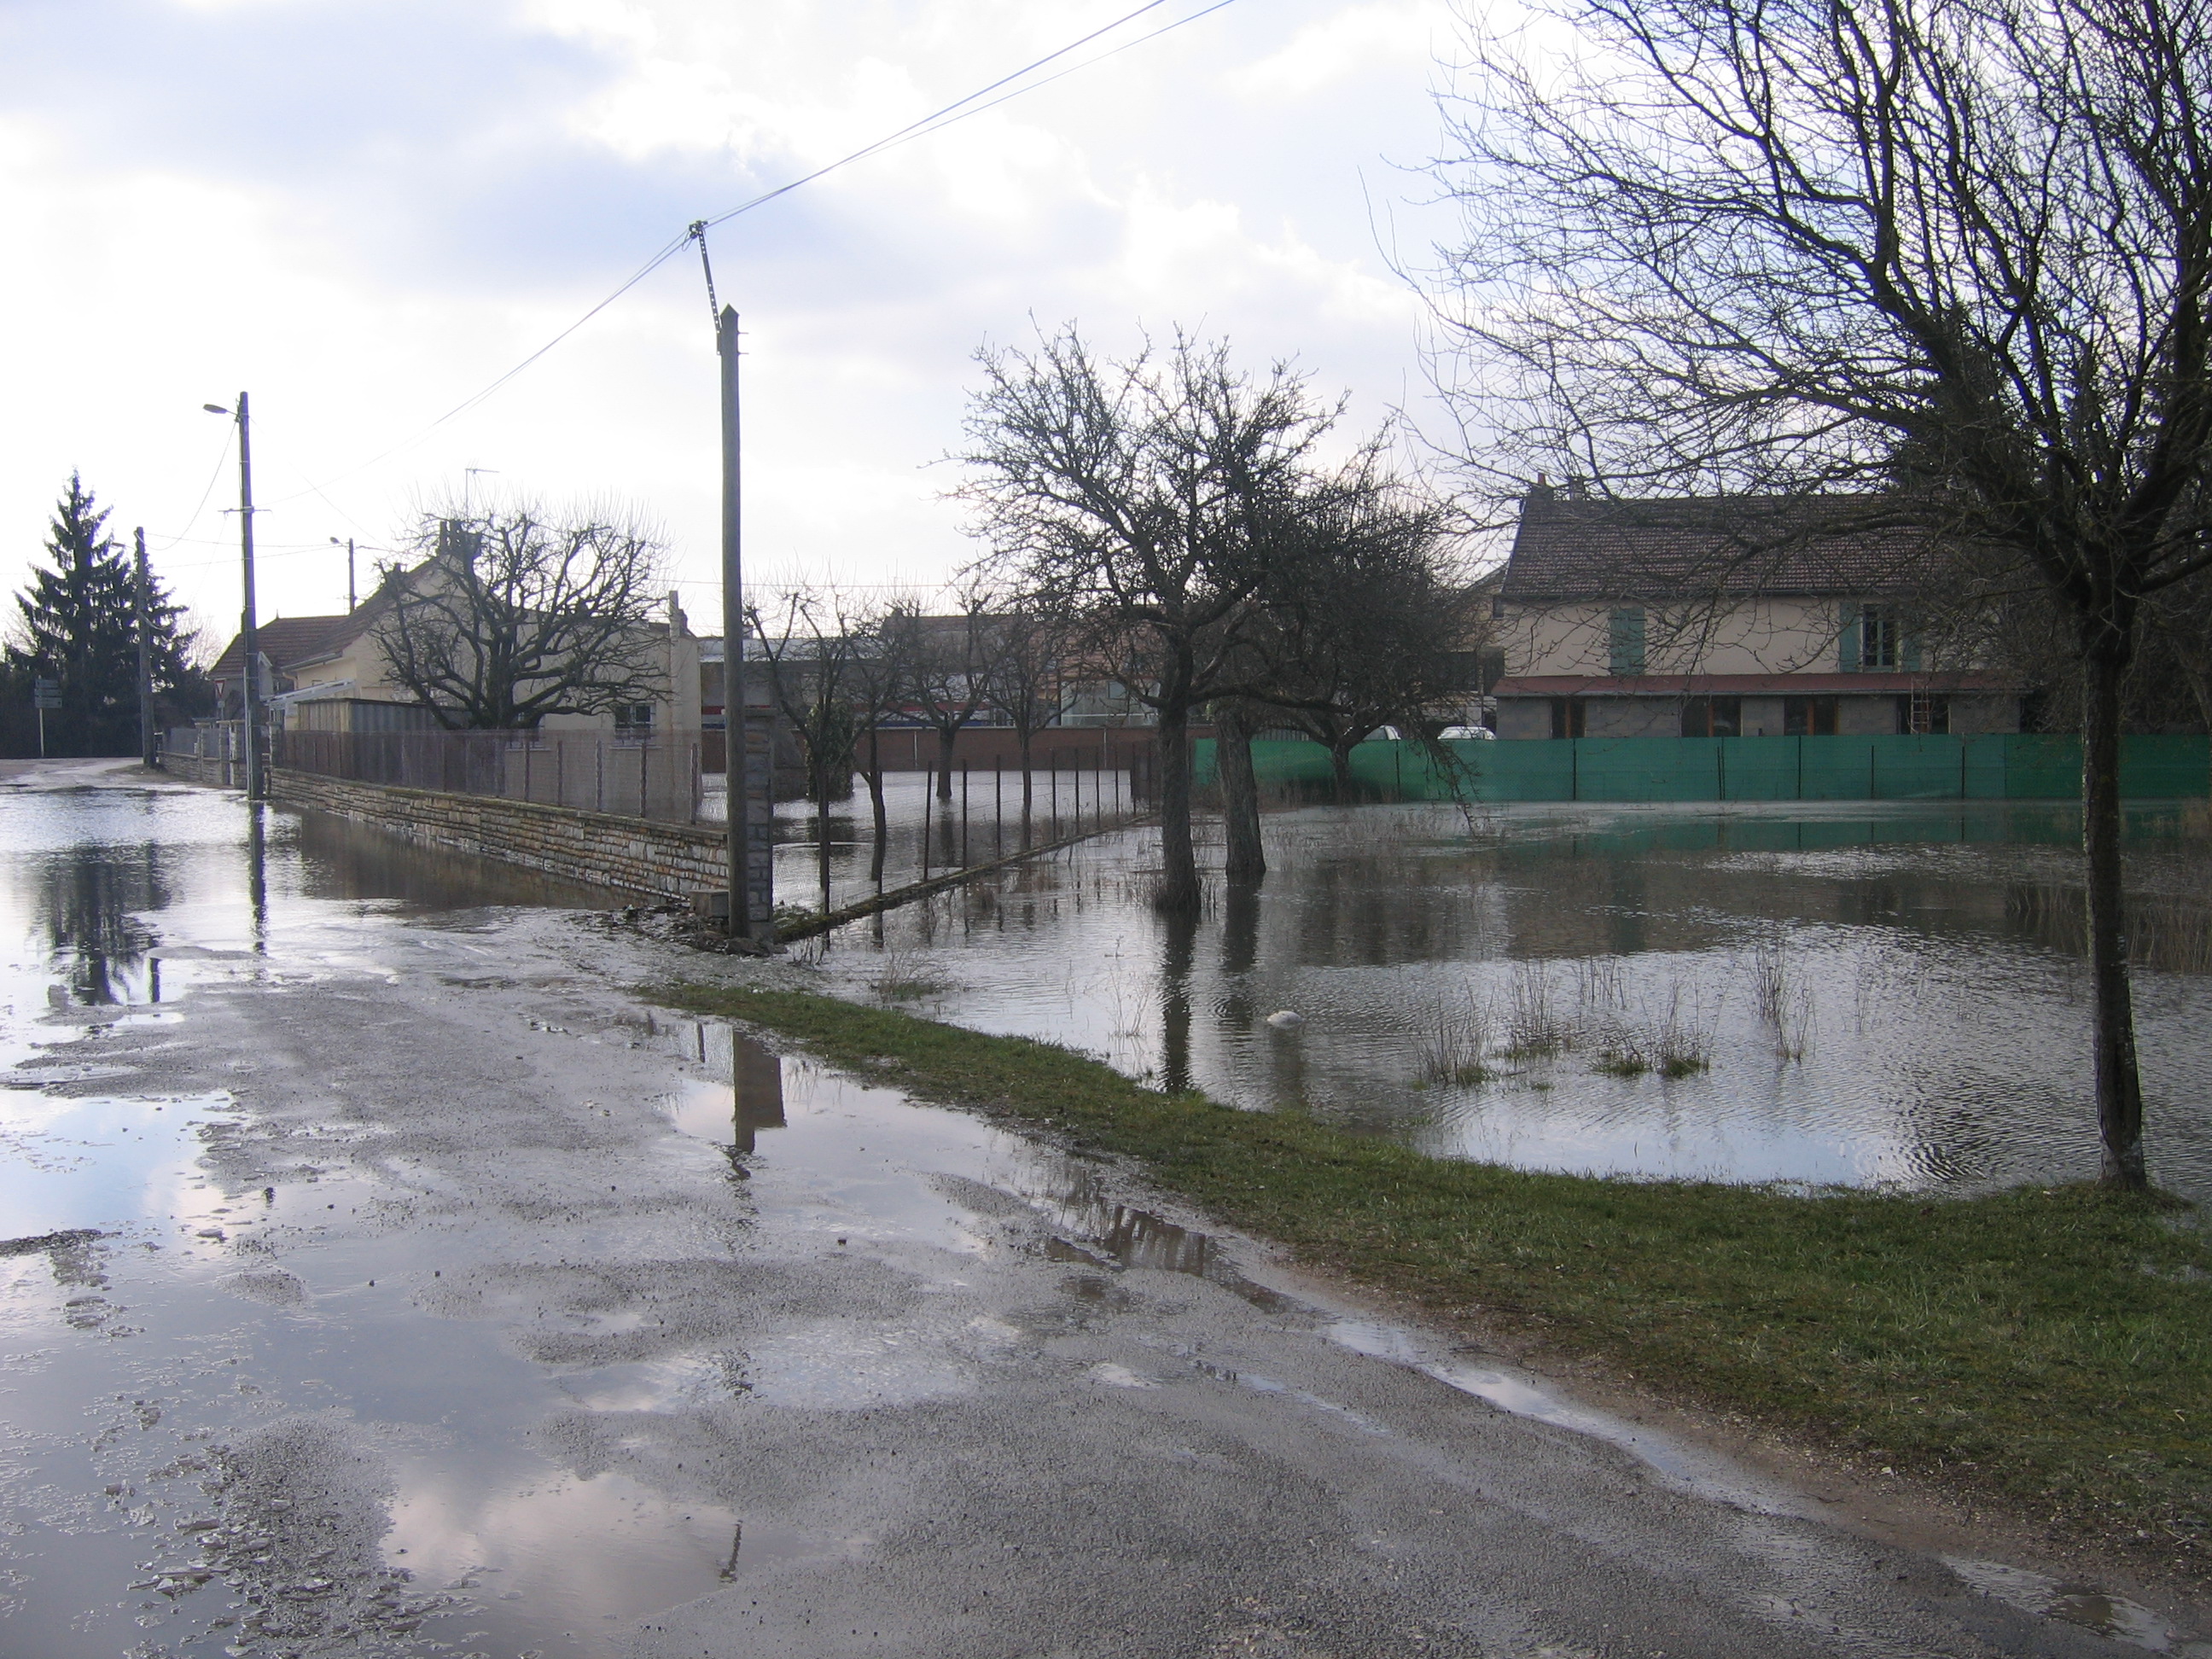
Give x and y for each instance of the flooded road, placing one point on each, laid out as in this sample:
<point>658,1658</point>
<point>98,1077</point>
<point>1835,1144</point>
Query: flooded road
<point>1846,993</point>
<point>379,1277</point>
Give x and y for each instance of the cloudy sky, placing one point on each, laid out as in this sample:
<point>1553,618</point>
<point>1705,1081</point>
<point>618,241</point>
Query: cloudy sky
<point>365,211</point>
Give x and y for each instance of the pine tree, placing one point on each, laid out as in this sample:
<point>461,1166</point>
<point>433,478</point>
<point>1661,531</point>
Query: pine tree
<point>79,625</point>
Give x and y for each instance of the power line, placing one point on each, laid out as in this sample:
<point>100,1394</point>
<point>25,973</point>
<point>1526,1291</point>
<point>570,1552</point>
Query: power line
<point>219,460</point>
<point>936,121</point>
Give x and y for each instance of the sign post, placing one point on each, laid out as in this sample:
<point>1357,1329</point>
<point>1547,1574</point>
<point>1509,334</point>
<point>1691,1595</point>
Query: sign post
<point>45,694</point>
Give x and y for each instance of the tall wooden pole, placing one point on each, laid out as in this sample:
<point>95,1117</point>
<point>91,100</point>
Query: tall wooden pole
<point>149,750</point>
<point>748,911</point>
<point>255,784</point>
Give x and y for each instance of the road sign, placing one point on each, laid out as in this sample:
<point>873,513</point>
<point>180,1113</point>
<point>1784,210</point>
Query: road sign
<point>45,694</point>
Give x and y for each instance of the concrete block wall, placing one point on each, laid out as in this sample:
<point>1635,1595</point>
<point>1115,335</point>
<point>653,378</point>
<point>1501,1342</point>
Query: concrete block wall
<point>599,849</point>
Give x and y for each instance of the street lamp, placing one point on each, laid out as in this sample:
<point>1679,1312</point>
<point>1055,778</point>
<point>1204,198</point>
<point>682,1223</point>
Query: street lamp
<point>255,784</point>
<point>349,548</point>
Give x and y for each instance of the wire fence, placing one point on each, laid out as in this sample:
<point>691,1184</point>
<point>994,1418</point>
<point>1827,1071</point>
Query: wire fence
<point>825,852</point>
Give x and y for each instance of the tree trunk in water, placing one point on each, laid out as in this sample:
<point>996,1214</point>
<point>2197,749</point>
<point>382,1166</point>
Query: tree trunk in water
<point>2119,1085</point>
<point>945,740</point>
<point>1179,890</point>
<point>1028,786</point>
<point>1240,793</point>
<point>875,806</point>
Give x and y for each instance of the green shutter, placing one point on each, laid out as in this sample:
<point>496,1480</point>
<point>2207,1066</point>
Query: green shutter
<point>1626,655</point>
<point>1847,641</point>
<point>1908,651</point>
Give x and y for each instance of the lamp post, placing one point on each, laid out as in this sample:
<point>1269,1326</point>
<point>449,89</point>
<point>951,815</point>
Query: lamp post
<point>255,784</point>
<point>349,548</point>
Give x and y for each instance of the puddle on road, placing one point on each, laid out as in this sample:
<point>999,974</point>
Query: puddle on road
<point>2109,1615</point>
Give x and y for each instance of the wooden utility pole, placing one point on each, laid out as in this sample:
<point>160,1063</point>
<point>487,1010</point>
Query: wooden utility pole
<point>247,641</point>
<point>149,747</point>
<point>751,897</point>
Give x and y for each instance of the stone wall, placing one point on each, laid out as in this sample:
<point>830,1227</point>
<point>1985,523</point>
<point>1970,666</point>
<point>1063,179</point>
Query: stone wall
<point>598,849</point>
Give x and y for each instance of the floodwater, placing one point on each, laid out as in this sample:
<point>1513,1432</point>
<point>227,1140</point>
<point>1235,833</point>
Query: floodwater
<point>283,1416</point>
<point>1846,993</point>
<point>925,836</point>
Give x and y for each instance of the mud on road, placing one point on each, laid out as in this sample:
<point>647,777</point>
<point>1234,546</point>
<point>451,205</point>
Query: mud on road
<point>385,1280</point>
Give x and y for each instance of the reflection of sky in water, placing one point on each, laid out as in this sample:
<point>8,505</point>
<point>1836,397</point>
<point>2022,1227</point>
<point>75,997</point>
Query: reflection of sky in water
<point>1887,994</point>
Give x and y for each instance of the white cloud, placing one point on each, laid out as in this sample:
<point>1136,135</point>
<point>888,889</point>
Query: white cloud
<point>367,212</point>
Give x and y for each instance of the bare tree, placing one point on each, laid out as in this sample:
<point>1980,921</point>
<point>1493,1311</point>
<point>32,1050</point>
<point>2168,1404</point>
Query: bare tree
<point>1026,647</point>
<point>508,619</point>
<point>1374,625</point>
<point>879,678</point>
<point>1146,498</point>
<point>946,679</point>
<point>808,643</point>
<point>1732,245</point>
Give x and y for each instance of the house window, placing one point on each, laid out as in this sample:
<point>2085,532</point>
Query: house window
<point>1808,717</point>
<point>1568,717</point>
<point>1924,713</point>
<point>1626,643</point>
<point>1712,717</point>
<point>1880,637</point>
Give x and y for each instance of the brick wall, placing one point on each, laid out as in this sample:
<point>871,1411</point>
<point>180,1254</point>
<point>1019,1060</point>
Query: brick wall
<point>598,849</point>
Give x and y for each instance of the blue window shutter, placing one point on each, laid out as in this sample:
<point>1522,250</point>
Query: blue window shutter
<point>1847,643</point>
<point>1908,654</point>
<point>1626,643</point>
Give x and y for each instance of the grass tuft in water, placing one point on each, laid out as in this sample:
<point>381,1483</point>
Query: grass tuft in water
<point>1457,1048</point>
<point>2052,1346</point>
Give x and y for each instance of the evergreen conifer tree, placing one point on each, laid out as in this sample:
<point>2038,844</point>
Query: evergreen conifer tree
<point>79,625</point>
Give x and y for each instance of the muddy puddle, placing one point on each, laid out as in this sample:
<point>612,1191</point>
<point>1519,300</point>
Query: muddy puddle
<point>1847,994</point>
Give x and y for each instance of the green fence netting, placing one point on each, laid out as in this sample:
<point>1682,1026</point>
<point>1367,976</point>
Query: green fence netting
<point>2007,766</point>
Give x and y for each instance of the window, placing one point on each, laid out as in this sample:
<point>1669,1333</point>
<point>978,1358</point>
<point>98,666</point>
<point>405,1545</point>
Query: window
<point>1626,643</point>
<point>1567,717</point>
<point>1808,717</point>
<point>1712,717</point>
<point>1880,637</point>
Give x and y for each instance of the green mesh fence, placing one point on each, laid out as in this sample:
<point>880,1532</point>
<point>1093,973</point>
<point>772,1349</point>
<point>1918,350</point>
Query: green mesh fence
<point>2010,766</point>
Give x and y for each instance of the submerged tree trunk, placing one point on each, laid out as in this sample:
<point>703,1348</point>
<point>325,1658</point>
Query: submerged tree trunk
<point>947,737</point>
<point>876,805</point>
<point>1029,784</point>
<point>1240,792</point>
<point>1179,890</point>
<point>1339,765</point>
<point>2119,1083</point>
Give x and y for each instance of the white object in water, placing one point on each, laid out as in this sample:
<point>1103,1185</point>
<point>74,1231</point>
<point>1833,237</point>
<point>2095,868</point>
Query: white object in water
<point>1284,1019</point>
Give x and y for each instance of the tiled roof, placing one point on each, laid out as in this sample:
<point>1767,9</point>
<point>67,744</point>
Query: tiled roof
<point>288,640</point>
<point>1687,549</point>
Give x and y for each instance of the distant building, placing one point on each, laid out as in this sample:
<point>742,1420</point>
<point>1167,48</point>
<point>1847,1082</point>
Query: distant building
<point>1729,617</point>
<point>329,674</point>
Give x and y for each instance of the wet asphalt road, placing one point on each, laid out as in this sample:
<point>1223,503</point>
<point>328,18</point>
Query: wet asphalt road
<point>445,1299</point>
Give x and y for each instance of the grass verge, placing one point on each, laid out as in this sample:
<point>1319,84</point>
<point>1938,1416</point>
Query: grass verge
<point>2050,1344</point>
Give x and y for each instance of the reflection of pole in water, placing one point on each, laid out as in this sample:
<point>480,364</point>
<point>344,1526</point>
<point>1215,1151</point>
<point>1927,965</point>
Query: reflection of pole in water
<point>756,1090</point>
<point>256,876</point>
<point>737,1542</point>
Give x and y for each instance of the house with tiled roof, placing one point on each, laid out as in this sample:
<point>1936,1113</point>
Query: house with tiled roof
<point>1727,616</point>
<point>330,674</point>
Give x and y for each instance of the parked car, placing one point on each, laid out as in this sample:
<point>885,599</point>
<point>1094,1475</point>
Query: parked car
<point>1453,733</point>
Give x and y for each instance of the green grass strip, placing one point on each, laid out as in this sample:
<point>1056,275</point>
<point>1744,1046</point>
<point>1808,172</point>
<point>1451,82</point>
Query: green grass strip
<point>2051,1344</point>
